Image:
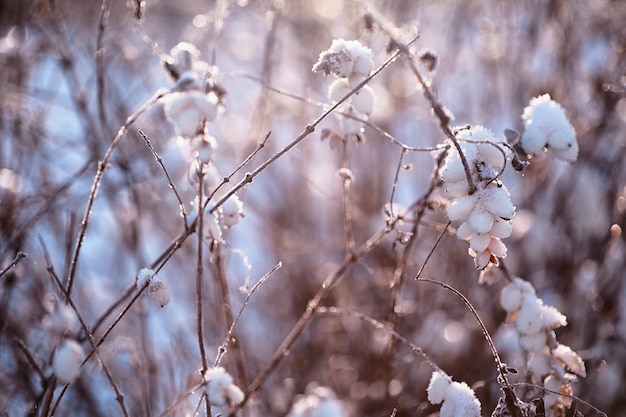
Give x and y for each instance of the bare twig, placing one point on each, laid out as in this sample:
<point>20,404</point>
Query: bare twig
<point>158,158</point>
<point>18,257</point>
<point>221,351</point>
<point>104,20</point>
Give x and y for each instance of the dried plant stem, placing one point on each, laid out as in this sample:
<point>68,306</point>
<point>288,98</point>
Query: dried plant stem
<point>102,166</point>
<point>102,25</point>
<point>199,277</point>
<point>312,306</point>
<point>405,252</point>
<point>471,308</point>
<point>223,348</point>
<point>337,311</point>
<point>222,281</point>
<point>432,250</point>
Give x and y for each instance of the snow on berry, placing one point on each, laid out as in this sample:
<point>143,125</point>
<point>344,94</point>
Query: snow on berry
<point>439,383</point>
<point>220,388</point>
<point>186,110</point>
<point>66,361</point>
<point>546,127</point>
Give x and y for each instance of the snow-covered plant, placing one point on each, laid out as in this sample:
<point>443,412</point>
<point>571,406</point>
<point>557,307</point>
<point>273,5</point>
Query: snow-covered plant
<point>351,63</point>
<point>546,128</point>
<point>548,361</point>
<point>485,214</point>
<point>220,388</point>
<point>318,402</point>
<point>66,360</point>
<point>457,397</point>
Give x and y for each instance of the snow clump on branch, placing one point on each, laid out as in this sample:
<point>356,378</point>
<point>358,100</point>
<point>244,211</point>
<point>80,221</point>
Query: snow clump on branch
<point>457,397</point>
<point>548,129</point>
<point>351,63</point>
<point>486,214</point>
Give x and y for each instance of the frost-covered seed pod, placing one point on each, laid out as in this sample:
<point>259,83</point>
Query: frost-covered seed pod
<point>187,109</point>
<point>546,125</point>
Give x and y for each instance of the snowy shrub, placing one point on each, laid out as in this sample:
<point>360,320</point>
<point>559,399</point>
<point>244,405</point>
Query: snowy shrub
<point>175,240</point>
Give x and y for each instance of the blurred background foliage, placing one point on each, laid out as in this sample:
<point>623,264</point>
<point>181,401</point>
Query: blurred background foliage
<point>59,112</point>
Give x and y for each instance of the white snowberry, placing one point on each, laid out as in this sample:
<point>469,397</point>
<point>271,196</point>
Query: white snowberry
<point>439,383</point>
<point>66,361</point>
<point>186,110</point>
<point>220,388</point>
<point>546,126</point>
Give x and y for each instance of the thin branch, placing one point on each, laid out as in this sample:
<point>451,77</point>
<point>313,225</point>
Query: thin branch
<point>158,158</point>
<point>199,276</point>
<point>18,257</point>
<point>471,308</point>
<point>102,166</point>
<point>221,351</point>
<point>103,22</point>
<point>432,250</point>
<point>29,357</point>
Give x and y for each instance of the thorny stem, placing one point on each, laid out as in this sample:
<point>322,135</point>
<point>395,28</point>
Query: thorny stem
<point>102,166</point>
